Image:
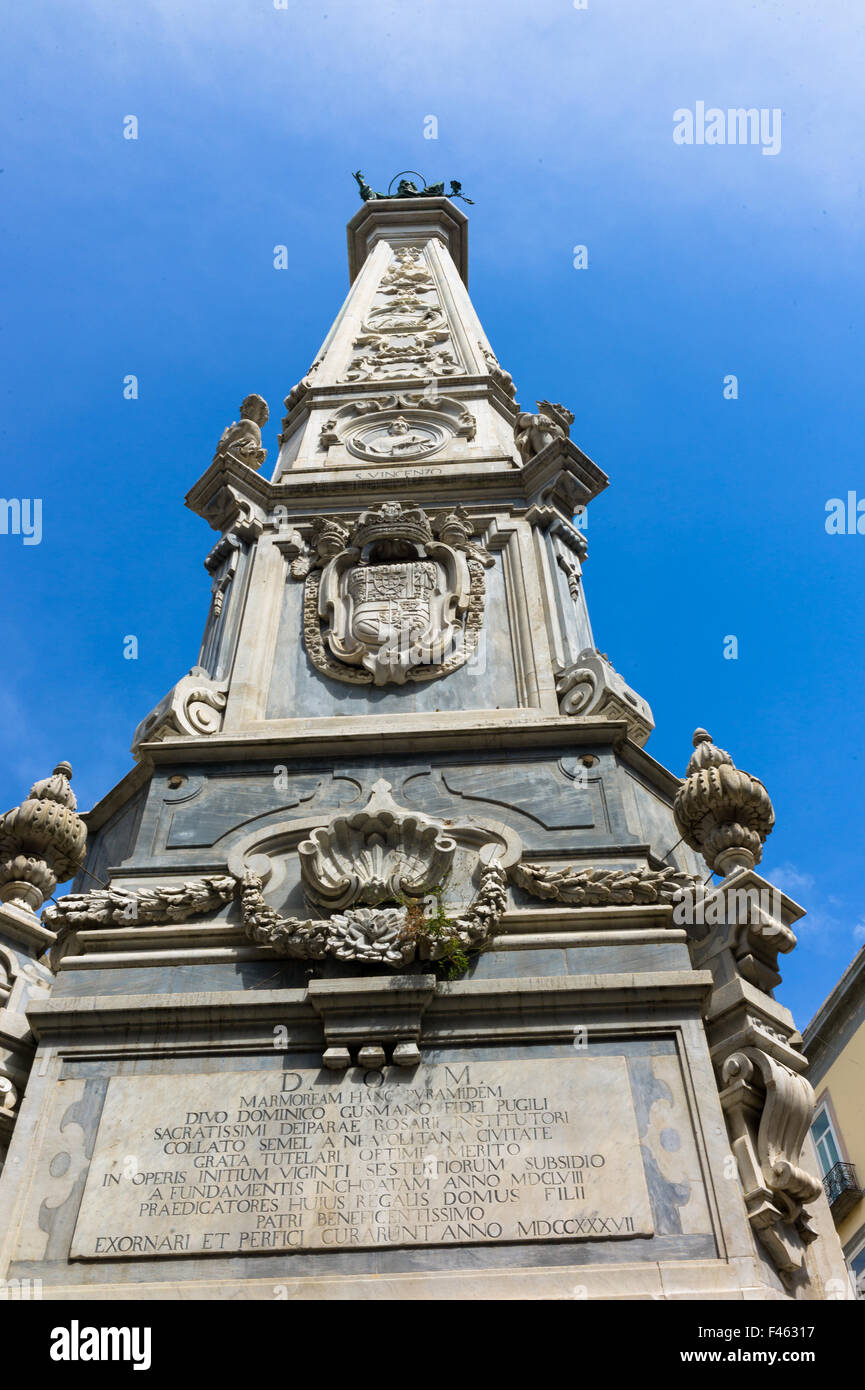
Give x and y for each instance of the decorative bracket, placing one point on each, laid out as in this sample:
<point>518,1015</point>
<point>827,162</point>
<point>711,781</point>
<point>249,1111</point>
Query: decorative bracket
<point>769,1110</point>
<point>374,1019</point>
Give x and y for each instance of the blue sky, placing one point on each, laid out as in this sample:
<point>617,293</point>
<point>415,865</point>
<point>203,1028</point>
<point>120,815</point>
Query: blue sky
<point>155,257</point>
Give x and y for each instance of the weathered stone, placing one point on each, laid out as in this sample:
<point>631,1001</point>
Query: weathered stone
<point>336,1058</point>
<point>386,962</point>
<point>504,1135</point>
<point>241,441</point>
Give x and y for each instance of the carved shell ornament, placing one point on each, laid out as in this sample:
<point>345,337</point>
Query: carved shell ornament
<point>398,597</point>
<point>371,869</point>
<point>376,854</point>
<point>368,876</point>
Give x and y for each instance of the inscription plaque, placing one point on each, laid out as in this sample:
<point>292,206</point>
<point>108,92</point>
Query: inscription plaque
<point>456,1153</point>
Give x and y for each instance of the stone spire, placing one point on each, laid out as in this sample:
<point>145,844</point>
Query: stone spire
<point>723,813</point>
<point>42,841</point>
<point>407,374</point>
<point>404,408</point>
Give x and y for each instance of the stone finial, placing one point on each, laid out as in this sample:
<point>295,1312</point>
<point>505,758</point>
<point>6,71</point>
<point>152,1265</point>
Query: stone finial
<point>723,813</point>
<point>42,841</point>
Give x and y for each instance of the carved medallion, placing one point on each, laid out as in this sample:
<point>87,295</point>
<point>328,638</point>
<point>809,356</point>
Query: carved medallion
<point>397,439</point>
<point>399,427</point>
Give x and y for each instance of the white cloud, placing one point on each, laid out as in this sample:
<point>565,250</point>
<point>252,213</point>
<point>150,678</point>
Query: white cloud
<point>792,881</point>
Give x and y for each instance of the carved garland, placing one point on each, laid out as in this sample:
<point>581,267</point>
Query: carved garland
<point>601,887</point>
<point>108,907</point>
<point>390,935</point>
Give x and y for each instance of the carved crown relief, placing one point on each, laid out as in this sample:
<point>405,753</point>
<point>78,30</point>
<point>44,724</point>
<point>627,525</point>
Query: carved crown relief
<point>397,598</point>
<point>406,333</point>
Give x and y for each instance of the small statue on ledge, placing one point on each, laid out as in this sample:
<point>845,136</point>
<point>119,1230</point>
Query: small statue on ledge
<point>406,188</point>
<point>532,433</point>
<point>242,440</point>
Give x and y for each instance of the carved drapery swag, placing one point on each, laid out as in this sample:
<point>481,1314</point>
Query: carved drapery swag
<point>391,935</point>
<point>398,597</point>
<point>371,867</point>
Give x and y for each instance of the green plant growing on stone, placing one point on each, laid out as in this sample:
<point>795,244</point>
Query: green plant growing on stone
<point>439,927</point>
<point>453,960</point>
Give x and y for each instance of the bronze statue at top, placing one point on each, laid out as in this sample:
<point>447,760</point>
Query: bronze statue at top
<point>406,188</point>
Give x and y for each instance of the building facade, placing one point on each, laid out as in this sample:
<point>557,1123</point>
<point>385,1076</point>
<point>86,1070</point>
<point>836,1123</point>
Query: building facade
<point>389,971</point>
<point>834,1043</point>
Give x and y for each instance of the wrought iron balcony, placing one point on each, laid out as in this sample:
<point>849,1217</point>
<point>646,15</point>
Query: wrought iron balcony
<point>842,1189</point>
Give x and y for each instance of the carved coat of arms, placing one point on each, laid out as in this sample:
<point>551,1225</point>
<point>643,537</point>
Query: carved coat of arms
<point>398,598</point>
